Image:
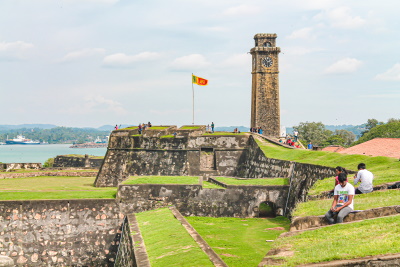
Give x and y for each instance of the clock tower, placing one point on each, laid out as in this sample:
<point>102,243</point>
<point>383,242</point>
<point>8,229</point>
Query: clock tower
<point>265,110</point>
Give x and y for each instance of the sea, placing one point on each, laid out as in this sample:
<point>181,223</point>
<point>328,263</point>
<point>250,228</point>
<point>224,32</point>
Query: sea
<point>41,153</point>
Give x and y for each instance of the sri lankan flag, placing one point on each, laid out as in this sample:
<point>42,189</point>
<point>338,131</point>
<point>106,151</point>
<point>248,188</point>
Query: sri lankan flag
<point>199,81</point>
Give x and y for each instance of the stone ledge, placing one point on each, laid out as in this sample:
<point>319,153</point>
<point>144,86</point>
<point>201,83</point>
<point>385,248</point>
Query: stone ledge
<point>302,223</point>
<point>379,260</point>
<point>326,194</point>
<point>139,248</point>
<point>214,257</point>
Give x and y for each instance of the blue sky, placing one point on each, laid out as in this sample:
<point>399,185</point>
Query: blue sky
<point>95,62</point>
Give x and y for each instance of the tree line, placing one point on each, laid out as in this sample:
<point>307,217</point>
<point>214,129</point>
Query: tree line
<point>318,135</point>
<point>57,135</point>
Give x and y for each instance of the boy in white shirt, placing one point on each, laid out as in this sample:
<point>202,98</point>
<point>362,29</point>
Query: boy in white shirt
<point>365,178</point>
<point>342,203</point>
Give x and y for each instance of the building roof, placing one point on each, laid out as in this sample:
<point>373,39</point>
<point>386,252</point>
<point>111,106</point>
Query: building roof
<point>386,147</point>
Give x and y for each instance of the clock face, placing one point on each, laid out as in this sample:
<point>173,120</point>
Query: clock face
<point>267,62</point>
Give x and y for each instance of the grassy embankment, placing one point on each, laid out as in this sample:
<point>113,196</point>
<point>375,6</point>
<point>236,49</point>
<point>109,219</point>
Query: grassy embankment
<point>384,169</point>
<point>258,181</point>
<point>372,237</point>
<point>343,241</point>
<point>53,187</point>
<point>168,180</point>
<point>167,241</point>
<point>239,241</point>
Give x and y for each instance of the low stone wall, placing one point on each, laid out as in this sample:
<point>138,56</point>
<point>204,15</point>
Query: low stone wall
<point>375,261</point>
<point>193,200</point>
<point>59,232</point>
<point>77,162</point>
<point>18,166</point>
<point>10,175</point>
<point>303,223</point>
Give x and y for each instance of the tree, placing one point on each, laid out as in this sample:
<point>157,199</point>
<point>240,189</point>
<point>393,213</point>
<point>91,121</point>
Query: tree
<point>314,132</point>
<point>371,123</point>
<point>347,136</point>
<point>334,140</point>
<point>388,130</point>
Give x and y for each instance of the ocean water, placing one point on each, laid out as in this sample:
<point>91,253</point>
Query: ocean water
<point>40,153</point>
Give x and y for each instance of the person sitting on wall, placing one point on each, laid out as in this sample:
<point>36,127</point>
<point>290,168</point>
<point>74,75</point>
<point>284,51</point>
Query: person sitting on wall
<point>140,128</point>
<point>365,178</point>
<point>338,171</point>
<point>342,203</point>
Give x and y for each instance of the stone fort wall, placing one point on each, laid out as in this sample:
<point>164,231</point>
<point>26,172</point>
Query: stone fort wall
<point>60,232</point>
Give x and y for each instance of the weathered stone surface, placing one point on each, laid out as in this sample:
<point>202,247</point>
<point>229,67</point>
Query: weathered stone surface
<point>77,173</point>
<point>18,166</point>
<point>265,110</point>
<point>193,200</point>
<point>59,232</point>
<point>77,162</point>
<point>302,223</point>
<point>389,260</point>
<point>6,261</point>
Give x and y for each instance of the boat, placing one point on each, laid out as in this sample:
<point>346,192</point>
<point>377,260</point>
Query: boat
<point>21,140</point>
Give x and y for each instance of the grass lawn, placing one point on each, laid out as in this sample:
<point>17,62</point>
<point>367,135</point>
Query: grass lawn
<point>256,181</point>
<point>48,170</point>
<point>385,169</point>
<point>361,202</point>
<point>189,127</point>
<point>167,136</point>
<point>167,241</point>
<point>157,128</point>
<point>343,241</point>
<point>239,241</point>
<point>223,133</point>
<point>53,187</point>
<point>168,180</point>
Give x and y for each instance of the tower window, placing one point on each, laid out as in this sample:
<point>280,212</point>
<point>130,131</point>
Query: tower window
<point>267,44</point>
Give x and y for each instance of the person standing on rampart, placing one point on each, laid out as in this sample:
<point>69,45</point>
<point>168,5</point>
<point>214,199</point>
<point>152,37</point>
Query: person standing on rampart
<point>212,127</point>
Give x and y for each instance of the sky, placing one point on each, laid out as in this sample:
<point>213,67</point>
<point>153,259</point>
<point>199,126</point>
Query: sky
<point>88,63</point>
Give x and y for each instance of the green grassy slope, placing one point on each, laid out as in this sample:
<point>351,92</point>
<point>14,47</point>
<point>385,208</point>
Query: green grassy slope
<point>167,241</point>
<point>239,241</point>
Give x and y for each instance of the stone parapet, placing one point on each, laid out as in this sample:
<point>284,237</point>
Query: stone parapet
<point>10,175</point>
<point>193,200</point>
<point>303,223</point>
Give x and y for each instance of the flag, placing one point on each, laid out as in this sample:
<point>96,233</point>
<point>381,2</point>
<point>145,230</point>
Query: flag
<point>199,81</point>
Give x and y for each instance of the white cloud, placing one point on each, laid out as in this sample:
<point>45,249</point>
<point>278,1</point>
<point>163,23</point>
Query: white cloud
<point>94,1</point>
<point>190,63</point>
<point>96,103</point>
<point>238,60</point>
<point>83,54</point>
<point>346,65</point>
<point>299,51</point>
<point>241,10</point>
<point>15,49</point>
<point>304,33</point>
<point>342,18</point>
<point>121,59</point>
<point>392,74</point>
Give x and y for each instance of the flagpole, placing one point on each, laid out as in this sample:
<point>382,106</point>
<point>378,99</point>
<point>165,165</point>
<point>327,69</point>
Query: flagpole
<point>192,101</point>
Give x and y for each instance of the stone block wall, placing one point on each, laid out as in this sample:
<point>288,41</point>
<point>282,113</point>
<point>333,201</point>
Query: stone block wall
<point>18,166</point>
<point>193,200</point>
<point>77,162</point>
<point>59,232</point>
